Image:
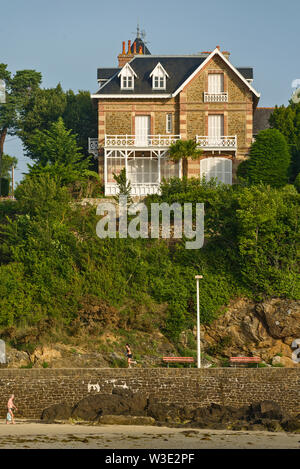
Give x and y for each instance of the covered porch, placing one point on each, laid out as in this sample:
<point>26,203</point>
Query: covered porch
<point>144,169</point>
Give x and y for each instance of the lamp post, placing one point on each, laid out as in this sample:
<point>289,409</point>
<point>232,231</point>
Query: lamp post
<point>198,277</point>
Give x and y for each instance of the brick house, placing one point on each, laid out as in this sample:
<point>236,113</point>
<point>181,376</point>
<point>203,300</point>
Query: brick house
<point>150,101</point>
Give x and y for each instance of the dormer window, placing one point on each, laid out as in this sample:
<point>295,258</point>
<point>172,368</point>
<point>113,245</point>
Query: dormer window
<point>159,77</point>
<point>127,75</point>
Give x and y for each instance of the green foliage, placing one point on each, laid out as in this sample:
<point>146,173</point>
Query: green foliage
<point>297,182</point>
<point>269,159</point>
<point>57,154</point>
<point>123,184</point>
<point>46,106</point>
<point>52,262</point>
<point>7,163</point>
<point>4,187</point>
<point>182,150</point>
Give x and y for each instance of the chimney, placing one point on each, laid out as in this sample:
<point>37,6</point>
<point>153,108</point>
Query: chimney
<point>218,47</point>
<point>134,47</point>
<point>140,50</point>
<point>125,57</point>
<point>226,54</point>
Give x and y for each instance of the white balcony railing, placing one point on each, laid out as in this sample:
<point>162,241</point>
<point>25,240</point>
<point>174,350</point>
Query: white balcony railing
<point>93,146</point>
<point>216,97</point>
<point>161,141</point>
<point>217,143</point>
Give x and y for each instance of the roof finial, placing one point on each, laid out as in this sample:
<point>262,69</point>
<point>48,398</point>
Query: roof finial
<point>138,30</point>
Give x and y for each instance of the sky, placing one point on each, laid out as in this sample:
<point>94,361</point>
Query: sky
<point>67,40</point>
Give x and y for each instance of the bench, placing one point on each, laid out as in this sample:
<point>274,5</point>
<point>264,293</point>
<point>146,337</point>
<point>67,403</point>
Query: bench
<point>243,360</point>
<point>178,360</point>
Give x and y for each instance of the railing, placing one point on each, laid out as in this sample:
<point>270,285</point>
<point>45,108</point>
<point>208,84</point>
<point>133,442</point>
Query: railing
<point>216,97</point>
<point>122,141</point>
<point>137,190</point>
<point>209,143</point>
<point>93,146</point>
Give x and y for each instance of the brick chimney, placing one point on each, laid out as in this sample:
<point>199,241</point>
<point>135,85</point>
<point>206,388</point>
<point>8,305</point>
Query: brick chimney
<point>226,54</point>
<point>126,56</point>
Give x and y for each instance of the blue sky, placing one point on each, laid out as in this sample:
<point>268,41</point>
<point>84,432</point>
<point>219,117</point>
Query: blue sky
<point>67,40</point>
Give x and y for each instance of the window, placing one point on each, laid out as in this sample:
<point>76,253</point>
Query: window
<point>169,123</point>
<point>220,168</point>
<point>127,75</point>
<point>215,83</point>
<point>159,77</point>
<point>142,170</point>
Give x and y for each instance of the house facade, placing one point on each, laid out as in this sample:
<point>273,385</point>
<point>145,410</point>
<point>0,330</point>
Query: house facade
<point>150,101</point>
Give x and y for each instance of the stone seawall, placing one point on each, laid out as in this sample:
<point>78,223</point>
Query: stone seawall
<point>37,389</point>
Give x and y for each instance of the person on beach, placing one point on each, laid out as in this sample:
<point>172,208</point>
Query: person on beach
<point>10,407</point>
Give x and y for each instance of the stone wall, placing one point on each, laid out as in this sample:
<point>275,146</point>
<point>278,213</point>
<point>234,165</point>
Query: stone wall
<point>36,389</point>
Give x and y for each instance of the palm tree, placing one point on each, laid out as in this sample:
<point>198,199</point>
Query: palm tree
<point>182,150</point>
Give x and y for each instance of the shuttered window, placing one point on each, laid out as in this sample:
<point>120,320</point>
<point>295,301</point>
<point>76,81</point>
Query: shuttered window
<point>215,83</point>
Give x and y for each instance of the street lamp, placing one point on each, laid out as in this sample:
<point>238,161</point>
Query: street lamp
<point>198,277</point>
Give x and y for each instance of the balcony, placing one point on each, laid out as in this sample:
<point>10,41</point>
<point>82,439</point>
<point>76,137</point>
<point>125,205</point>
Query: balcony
<point>217,143</point>
<point>93,146</point>
<point>140,141</point>
<point>216,97</point>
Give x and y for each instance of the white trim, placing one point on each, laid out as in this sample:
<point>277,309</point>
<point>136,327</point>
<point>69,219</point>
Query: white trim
<point>215,52</point>
<point>159,65</point>
<point>132,96</point>
<point>125,67</point>
<point>172,95</point>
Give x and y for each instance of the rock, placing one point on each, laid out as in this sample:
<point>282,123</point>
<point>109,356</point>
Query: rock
<point>120,402</point>
<point>291,424</point>
<point>266,329</point>
<point>283,361</point>
<point>125,420</point>
<point>60,411</point>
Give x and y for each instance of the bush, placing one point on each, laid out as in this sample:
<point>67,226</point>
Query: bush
<point>269,159</point>
<point>4,187</point>
<point>297,182</point>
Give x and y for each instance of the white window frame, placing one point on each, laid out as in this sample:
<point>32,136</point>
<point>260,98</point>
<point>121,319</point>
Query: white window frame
<point>215,83</point>
<point>159,77</point>
<point>127,75</point>
<point>210,167</point>
<point>169,123</point>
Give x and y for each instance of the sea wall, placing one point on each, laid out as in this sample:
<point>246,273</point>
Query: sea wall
<point>37,389</point>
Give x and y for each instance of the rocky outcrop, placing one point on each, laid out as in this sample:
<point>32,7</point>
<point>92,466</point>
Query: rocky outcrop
<point>266,329</point>
<point>126,408</point>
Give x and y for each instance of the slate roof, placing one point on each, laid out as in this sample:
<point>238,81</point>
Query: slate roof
<point>179,68</point>
<point>261,119</point>
<point>246,72</point>
<point>139,43</point>
<point>106,73</point>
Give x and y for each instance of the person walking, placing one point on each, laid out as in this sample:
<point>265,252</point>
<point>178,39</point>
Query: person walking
<point>10,407</point>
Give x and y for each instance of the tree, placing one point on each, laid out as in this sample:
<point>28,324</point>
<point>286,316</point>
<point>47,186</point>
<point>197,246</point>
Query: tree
<point>81,116</point>
<point>182,150</point>
<point>287,121</point>
<point>55,151</point>
<point>19,89</point>
<point>47,105</point>
<point>7,163</point>
<point>269,159</point>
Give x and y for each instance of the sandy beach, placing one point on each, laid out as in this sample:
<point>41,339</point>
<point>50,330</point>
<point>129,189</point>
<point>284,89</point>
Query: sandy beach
<point>35,435</point>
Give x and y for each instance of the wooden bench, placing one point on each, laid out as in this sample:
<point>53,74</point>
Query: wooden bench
<point>178,360</point>
<point>243,360</point>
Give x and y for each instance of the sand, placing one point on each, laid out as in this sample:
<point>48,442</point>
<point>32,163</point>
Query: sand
<point>35,435</point>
